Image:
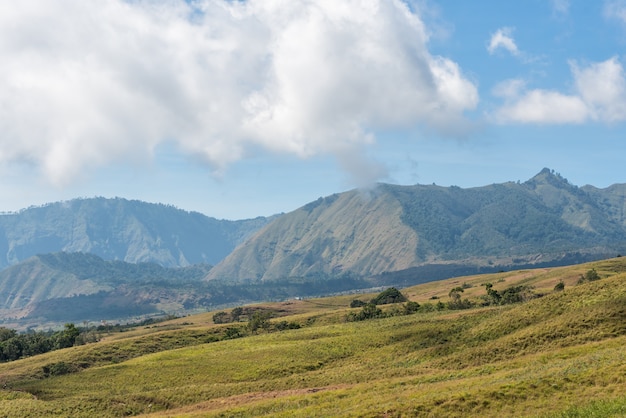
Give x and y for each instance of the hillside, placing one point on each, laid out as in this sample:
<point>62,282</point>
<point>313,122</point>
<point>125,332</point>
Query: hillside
<point>64,287</point>
<point>120,229</point>
<point>555,356</point>
<point>398,229</point>
<point>48,290</point>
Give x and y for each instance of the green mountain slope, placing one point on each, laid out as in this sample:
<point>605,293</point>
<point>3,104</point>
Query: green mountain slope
<point>395,228</point>
<point>62,287</point>
<point>346,232</point>
<point>119,229</point>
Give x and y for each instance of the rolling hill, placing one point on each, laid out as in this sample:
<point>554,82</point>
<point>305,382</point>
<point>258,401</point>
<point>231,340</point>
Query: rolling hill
<point>557,355</point>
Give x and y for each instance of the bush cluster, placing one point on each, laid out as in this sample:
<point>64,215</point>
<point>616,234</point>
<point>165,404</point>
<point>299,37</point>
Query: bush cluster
<point>370,310</point>
<point>590,276</point>
<point>513,294</point>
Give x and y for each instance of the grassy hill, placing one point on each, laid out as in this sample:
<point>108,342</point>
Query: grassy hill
<point>561,354</point>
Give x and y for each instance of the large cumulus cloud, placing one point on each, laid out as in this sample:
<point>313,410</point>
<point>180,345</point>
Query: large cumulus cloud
<point>83,84</point>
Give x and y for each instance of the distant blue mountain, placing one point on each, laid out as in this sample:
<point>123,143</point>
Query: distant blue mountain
<point>120,229</point>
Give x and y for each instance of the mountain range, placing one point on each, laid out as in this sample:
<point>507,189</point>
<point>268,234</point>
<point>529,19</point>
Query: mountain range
<point>115,258</point>
<point>391,229</point>
<point>120,229</point>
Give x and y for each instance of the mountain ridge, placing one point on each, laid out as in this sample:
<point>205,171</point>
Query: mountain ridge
<point>121,229</point>
<point>403,227</point>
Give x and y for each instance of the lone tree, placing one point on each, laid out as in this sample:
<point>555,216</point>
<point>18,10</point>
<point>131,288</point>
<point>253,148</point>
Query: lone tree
<point>455,299</point>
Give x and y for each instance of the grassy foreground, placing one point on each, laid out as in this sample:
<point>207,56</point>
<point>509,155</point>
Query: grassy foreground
<point>561,355</point>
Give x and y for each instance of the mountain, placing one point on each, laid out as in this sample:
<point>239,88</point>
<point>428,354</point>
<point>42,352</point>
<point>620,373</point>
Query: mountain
<point>62,287</point>
<point>120,229</point>
<point>49,290</point>
<point>399,230</point>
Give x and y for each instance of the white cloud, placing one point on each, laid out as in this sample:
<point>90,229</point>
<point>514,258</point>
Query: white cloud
<point>599,95</point>
<point>544,107</point>
<point>615,9</point>
<point>509,88</point>
<point>502,39</point>
<point>603,88</point>
<point>84,84</point>
<point>560,7</point>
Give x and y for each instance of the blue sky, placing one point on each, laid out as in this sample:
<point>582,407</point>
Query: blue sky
<point>241,109</point>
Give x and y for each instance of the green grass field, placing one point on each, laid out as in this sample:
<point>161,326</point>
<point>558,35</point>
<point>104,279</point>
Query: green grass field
<point>561,355</point>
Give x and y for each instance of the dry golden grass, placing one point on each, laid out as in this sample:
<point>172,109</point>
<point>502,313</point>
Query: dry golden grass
<point>560,355</point>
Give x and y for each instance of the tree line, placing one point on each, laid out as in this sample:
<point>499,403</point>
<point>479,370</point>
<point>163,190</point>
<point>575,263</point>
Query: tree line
<point>14,346</point>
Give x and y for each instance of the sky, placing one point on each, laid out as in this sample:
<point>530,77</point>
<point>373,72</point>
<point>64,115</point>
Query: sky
<point>247,108</point>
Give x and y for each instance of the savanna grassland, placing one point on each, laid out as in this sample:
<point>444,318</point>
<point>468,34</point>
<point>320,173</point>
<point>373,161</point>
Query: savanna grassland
<point>559,355</point>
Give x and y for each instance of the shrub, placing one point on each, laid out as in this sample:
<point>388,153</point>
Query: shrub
<point>221,318</point>
<point>411,307</point>
<point>513,294</point>
<point>56,369</point>
<point>427,307</point>
<point>559,287</point>
<point>356,303</point>
<point>590,276</point>
<point>369,311</point>
<point>283,325</point>
<point>391,295</point>
<point>232,333</point>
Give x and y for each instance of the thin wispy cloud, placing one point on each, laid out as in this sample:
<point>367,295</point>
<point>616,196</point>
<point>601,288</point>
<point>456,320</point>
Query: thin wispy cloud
<point>615,9</point>
<point>83,84</point>
<point>560,7</point>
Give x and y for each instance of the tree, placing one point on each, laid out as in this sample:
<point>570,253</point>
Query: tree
<point>12,349</point>
<point>455,299</point>
<point>455,294</point>
<point>391,295</point>
<point>259,320</point>
<point>493,297</point>
<point>220,318</point>
<point>67,337</point>
<point>236,313</point>
<point>7,333</point>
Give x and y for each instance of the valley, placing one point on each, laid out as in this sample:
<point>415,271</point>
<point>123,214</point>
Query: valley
<point>121,260</point>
